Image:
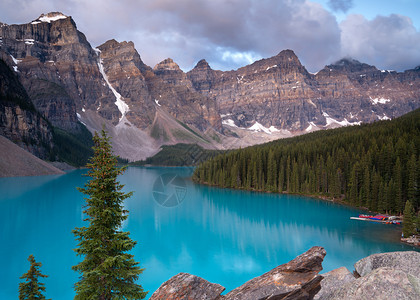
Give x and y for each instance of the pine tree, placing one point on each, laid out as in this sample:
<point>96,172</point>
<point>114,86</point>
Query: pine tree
<point>409,226</point>
<point>107,271</point>
<point>418,222</point>
<point>31,289</point>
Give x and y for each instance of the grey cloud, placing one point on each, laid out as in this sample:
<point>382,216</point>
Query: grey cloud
<point>227,33</point>
<point>340,5</point>
<point>189,30</point>
<point>390,42</point>
<point>260,28</point>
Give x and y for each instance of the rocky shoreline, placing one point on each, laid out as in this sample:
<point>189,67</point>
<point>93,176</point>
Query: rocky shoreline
<point>393,275</point>
<point>412,241</point>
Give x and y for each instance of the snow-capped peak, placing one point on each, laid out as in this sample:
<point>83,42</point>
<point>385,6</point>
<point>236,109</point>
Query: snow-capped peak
<point>50,17</point>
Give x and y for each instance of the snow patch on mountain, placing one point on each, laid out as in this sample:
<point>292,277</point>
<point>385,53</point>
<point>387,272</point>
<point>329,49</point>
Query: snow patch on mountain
<point>311,127</point>
<point>345,122</point>
<point>257,127</point>
<point>122,106</point>
<point>379,100</point>
<point>50,17</point>
<point>229,122</point>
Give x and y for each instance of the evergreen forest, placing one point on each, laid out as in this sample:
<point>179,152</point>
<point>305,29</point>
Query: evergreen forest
<point>375,166</point>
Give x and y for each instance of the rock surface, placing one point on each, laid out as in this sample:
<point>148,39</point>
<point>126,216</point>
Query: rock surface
<point>390,276</point>
<point>381,283</point>
<point>15,161</point>
<point>187,286</point>
<point>406,261</point>
<point>19,121</point>
<point>333,281</point>
<point>297,279</point>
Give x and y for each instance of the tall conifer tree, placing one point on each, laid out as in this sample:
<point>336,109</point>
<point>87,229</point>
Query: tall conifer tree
<point>32,289</point>
<point>409,221</point>
<point>107,271</point>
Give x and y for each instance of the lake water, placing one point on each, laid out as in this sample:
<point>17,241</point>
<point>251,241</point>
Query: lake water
<point>222,235</point>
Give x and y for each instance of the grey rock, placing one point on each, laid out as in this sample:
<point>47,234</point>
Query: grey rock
<point>333,281</point>
<point>381,283</point>
<point>187,286</point>
<point>407,261</point>
<point>297,279</point>
<point>19,121</point>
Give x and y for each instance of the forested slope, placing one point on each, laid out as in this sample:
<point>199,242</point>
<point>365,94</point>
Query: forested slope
<point>373,165</point>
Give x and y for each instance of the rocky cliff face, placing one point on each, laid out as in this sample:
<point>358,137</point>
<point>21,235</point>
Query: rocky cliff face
<point>144,108</point>
<point>171,87</point>
<point>57,65</point>
<point>19,121</point>
<point>68,81</point>
<point>280,92</point>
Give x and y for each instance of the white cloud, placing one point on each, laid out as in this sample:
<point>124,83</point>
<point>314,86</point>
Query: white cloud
<point>390,42</point>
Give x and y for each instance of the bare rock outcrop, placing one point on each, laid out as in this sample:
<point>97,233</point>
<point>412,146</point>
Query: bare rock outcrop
<point>333,281</point>
<point>187,286</point>
<point>381,283</point>
<point>297,279</point>
<point>393,275</point>
<point>406,261</point>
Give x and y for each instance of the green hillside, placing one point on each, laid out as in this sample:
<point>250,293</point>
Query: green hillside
<point>374,165</point>
<point>179,155</point>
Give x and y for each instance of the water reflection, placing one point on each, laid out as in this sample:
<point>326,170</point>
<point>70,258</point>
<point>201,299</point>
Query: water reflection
<point>222,235</point>
<point>231,236</point>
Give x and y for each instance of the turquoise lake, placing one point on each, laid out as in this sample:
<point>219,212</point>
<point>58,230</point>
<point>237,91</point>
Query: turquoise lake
<point>225,236</point>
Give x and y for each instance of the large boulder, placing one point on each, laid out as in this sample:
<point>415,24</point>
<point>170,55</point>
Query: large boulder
<point>407,261</point>
<point>187,286</point>
<point>297,279</point>
<point>381,283</point>
<point>333,281</point>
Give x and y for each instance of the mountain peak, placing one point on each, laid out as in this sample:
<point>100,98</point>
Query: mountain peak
<point>347,61</point>
<point>202,64</point>
<point>109,44</point>
<point>287,56</point>
<point>50,17</point>
<point>287,52</point>
<point>167,65</point>
<point>351,65</point>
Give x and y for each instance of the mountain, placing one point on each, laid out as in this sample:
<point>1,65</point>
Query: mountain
<point>279,92</point>
<point>74,85</point>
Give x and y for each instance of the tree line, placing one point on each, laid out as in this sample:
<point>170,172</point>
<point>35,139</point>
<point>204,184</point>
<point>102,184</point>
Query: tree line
<point>373,165</point>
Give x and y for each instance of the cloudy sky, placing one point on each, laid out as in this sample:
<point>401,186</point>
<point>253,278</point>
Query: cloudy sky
<point>233,33</point>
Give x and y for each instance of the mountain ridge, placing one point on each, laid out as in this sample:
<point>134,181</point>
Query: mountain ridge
<point>70,81</point>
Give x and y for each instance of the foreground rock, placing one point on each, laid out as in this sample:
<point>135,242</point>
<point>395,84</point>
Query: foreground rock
<point>15,161</point>
<point>187,286</point>
<point>407,261</point>
<point>333,281</point>
<point>394,275</point>
<point>297,279</point>
<point>381,283</point>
